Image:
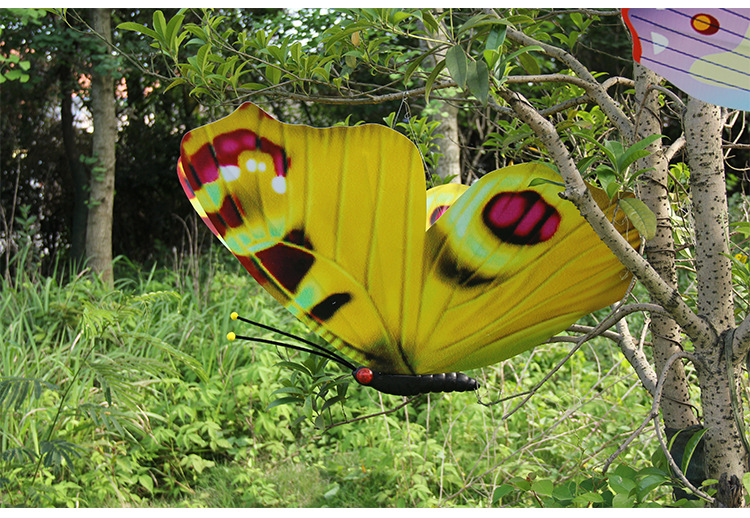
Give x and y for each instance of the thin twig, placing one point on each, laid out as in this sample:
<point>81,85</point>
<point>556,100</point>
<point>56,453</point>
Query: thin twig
<point>653,416</point>
<point>362,418</point>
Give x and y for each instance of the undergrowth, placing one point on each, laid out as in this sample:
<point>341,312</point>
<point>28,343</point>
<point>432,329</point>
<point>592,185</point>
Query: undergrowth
<point>132,396</point>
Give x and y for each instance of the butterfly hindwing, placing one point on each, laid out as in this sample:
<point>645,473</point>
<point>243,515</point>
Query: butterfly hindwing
<point>508,266</point>
<point>440,199</point>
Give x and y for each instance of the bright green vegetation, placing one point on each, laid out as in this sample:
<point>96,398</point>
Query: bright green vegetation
<point>134,397</point>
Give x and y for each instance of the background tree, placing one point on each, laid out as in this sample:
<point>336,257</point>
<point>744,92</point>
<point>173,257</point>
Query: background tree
<point>46,145</point>
<point>101,199</point>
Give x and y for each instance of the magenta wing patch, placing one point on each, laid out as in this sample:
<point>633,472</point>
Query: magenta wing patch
<point>704,52</point>
<point>521,218</point>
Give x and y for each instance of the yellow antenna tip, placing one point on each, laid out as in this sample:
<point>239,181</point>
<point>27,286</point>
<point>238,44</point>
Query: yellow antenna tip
<point>231,336</point>
<point>234,315</point>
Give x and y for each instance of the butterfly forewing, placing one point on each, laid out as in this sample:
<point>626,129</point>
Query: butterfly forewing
<point>322,218</point>
<point>704,52</point>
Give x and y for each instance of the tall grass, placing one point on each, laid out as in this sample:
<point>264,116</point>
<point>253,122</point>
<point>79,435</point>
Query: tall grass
<point>132,396</point>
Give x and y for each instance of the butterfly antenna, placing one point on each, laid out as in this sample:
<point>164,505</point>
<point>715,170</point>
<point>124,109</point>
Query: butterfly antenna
<point>316,349</point>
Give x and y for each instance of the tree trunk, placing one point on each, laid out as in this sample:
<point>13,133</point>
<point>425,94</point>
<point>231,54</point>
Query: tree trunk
<point>77,172</point>
<point>726,458</point>
<point>449,164</point>
<point>666,334</point>
<point>101,199</point>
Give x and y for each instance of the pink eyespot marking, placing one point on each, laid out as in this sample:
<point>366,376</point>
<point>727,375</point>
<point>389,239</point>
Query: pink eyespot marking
<point>521,218</point>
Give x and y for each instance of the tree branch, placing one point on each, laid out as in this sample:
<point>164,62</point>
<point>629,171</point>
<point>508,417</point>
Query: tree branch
<point>652,416</point>
<point>637,358</point>
<point>595,90</point>
<point>576,192</point>
<point>674,148</point>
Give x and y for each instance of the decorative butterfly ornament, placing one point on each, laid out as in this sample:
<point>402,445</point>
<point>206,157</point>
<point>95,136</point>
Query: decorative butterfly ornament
<point>704,52</point>
<point>332,223</point>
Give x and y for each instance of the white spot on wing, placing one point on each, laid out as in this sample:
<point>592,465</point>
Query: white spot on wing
<point>660,42</point>
<point>279,184</point>
<point>230,172</point>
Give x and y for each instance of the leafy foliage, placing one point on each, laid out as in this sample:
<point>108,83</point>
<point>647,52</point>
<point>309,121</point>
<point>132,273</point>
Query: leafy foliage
<point>138,400</point>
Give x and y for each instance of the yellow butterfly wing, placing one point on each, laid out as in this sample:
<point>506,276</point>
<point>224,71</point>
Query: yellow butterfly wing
<point>508,266</point>
<point>332,223</point>
<point>322,218</point>
<point>440,199</point>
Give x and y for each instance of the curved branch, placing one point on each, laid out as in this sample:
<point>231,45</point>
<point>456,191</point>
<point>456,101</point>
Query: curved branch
<point>369,416</point>
<point>652,416</point>
<point>367,99</point>
<point>674,148</point>
<point>570,103</point>
<point>576,192</point>
<point>596,331</point>
<point>669,93</point>
<point>595,90</point>
<point>637,359</point>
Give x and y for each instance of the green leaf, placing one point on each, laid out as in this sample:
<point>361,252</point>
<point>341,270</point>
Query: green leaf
<point>623,500</point>
<point>474,21</point>
<point>457,64</point>
<point>295,391</point>
<point>273,74</point>
<point>543,487</point>
<point>529,63</point>
<point>415,64</point>
<point>332,492</point>
<point>429,21</point>
<point>176,82</point>
<point>584,164</point>
<point>478,81</point>
<point>743,227</point>
<point>496,38</point>
<point>640,216</point>
<point>147,482</point>
<point>634,152</point>
<point>137,27</point>
<point>12,75</point>
<point>544,181</point>
<point>649,483</point>
<point>608,180</point>
<point>588,497</point>
<point>295,367</point>
<point>431,80</point>
<point>500,492</point>
<point>284,401</point>
<point>160,23</point>
<point>690,447</point>
<point>331,402</point>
